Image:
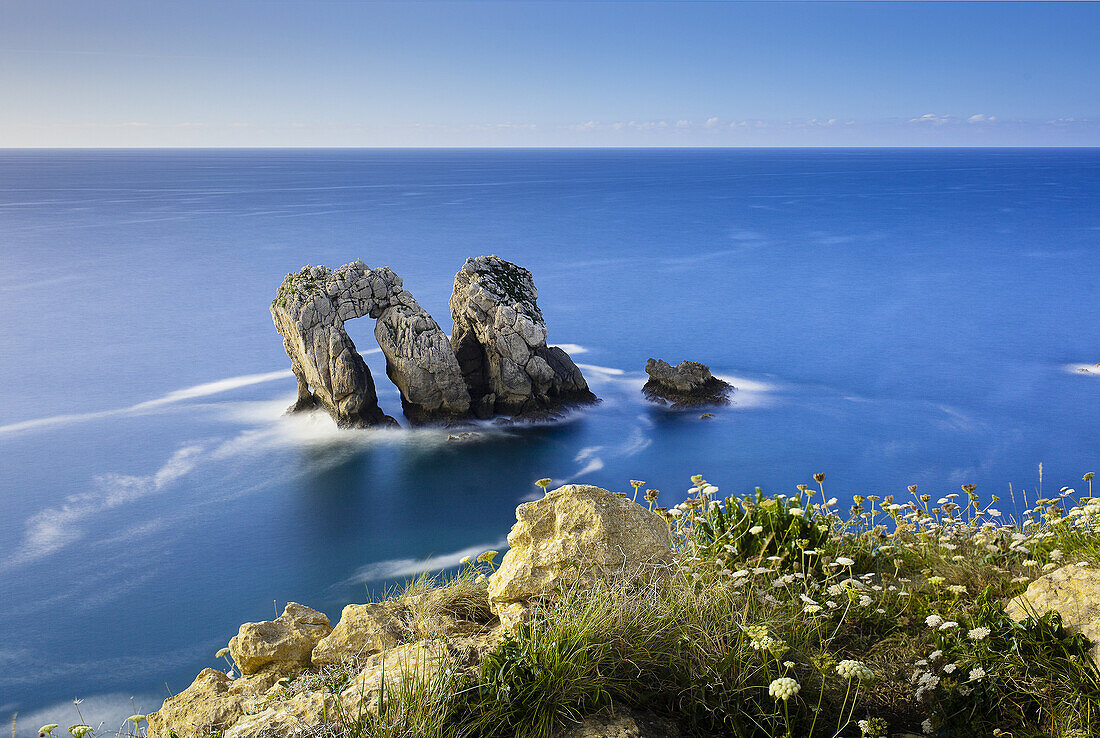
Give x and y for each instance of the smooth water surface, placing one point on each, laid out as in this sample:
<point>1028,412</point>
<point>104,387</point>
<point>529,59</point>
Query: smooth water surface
<point>889,317</point>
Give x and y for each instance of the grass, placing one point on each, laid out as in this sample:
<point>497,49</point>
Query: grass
<point>782,616</point>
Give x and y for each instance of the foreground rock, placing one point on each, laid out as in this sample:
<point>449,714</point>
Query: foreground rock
<point>212,703</point>
<point>1074,592</point>
<point>363,630</point>
<point>689,384</point>
<point>288,640</point>
<point>575,533</point>
<point>309,311</point>
<point>413,666</point>
<point>499,338</point>
<point>623,724</point>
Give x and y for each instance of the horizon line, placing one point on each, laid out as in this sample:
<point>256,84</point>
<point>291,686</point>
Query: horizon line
<point>521,148</point>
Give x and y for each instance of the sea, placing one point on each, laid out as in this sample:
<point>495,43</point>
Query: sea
<point>888,317</point>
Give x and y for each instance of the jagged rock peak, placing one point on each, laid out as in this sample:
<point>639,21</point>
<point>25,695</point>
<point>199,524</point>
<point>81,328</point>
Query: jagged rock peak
<point>499,338</point>
<point>309,311</point>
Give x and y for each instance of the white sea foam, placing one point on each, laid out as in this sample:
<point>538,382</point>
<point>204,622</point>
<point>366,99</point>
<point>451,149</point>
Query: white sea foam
<point>407,567</point>
<point>1089,370</point>
<point>176,396</point>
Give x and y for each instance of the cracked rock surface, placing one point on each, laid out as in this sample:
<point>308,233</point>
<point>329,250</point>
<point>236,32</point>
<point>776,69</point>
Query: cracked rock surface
<point>309,311</point>
<point>499,338</point>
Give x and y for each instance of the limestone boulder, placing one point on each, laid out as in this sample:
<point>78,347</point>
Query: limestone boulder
<point>625,724</point>
<point>688,384</point>
<point>411,663</point>
<point>499,338</point>
<point>287,640</point>
<point>575,533</point>
<point>297,716</point>
<point>213,702</point>
<point>363,630</point>
<point>1074,592</point>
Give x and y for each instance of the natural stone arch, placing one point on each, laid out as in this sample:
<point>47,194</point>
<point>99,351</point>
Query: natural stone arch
<point>309,311</point>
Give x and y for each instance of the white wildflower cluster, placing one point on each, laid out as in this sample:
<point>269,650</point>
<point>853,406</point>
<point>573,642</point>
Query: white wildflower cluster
<point>784,688</point>
<point>852,669</point>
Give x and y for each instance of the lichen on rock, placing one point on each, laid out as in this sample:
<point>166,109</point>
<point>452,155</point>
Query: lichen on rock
<point>1073,591</point>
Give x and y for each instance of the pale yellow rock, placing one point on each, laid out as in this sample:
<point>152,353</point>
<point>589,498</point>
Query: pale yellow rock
<point>576,532</point>
<point>205,706</point>
<point>1074,592</point>
<point>363,630</point>
<point>382,678</point>
<point>212,702</point>
<point>296,716</point>
<point>287,640</point>
<point>620,725</point>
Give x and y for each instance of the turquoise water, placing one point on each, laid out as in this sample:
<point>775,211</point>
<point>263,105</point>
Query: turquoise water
<point>889,317</point>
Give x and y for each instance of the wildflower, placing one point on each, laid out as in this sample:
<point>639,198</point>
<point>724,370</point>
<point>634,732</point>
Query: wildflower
<point>977,674</point>
<point>798,512</point>
<point>812,609</point>
<point>852,669</point>
<point>464,560</point>
<point>80,730</point>
<point>933,621</point>
<point>544,483</point>
<point>948,625</point>
<point>482,579</point>
<point>935,655</point>
<point>709,489</point>
<point>47,729</point>
<point>865,601</point>
<point>1031,562</point>
<point>675,513</point>
<point>1056,554</point>
<point>935,580</point>
<point>788,664</point>
<point>783,688</point>
<point>926,726</point>
<point>756,529</point>
<point>635,483</point>
<point>845,561</point>
<point>957,589</point>
<point>950,668</point>
<point>135,719</point>
<point>819,477</point>
<point>978,634</point>
<point>487,557</point>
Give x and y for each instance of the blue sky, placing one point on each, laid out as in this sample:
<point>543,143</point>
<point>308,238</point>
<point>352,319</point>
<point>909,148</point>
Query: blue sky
<point>326,73</point>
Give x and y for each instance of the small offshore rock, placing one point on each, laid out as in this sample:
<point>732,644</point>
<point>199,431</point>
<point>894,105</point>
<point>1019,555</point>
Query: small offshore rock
<point>1073,591</point>
<point>362,630</point>
<point>288,639</point>
<point>689,384</point>
<point>574,533</point>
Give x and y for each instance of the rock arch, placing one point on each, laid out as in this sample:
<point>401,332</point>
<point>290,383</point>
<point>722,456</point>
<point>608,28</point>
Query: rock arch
<point>496,362</point>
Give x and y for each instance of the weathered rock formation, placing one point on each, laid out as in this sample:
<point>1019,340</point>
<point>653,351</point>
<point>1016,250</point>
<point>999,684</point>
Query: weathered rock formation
<point>499,338</point>
<point>287,640</point>
<point>689,384</point>
<point>576,533</point>
<point>1074,592</point>
<point>309,311</point>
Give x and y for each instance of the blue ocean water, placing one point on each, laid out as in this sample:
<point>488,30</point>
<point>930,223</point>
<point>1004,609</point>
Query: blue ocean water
<point>889,317</point>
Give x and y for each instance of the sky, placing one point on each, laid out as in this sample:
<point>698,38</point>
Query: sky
<point>120,73</point>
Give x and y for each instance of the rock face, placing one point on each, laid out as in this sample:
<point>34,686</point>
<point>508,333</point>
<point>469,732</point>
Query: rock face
<point>309,311</point>
<point>363,630</point>
<point>294,717</point>
<point>416,662</point>
<point>575,532</point>
<point>625,724</point>
<point>288,640</point>
<point>213,702</point>
<point>499,338</point>
<point>1074,592</point>
<point>689,384</point>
